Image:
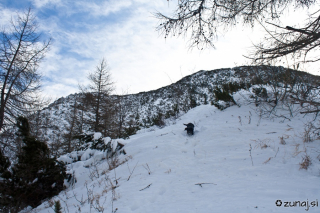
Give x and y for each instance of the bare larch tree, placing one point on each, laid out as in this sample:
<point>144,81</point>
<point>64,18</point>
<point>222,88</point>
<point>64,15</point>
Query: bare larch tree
<point>101,86</point>
<point>201,20</point>
<point>21,51</point>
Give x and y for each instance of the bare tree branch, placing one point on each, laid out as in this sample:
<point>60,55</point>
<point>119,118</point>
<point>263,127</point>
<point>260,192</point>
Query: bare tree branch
<point>101,86</point>
<point>20,55</point>
<point>201,20</point>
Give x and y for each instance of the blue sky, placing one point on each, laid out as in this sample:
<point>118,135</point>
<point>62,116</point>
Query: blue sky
<point>123,32</point>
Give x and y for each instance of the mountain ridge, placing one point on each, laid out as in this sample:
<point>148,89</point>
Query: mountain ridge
<point>195,74</point>
<point>145,109</point>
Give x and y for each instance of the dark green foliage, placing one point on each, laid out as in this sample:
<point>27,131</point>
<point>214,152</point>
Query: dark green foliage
<point>128,131</point>
<point>257,80</point>
<point>131,127</point>
<point>23,127</point>
<point>260,92</point>
<point>87,141</point>
<point>193,102</point>
<point>192,90</point>
<point>260,95</point>
<point>232,87</point>
<point>4,164</point>
<point>175,110</point>
<point>84,141</point>
<point>100,145</point>
<point>146,123</point>
<point>205,96</point>
<point>5,174</point>
<point>34,178</point>
<point>57,207</point>
<point>158,120</point>
<point>168,114</point>
<point>218,106</point>
<point>222,95</point>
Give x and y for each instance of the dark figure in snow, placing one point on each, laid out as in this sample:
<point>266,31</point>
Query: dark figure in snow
<point>189,128</point>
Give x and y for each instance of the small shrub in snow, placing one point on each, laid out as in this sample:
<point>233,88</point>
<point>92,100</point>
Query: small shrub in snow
<point>263,144</point>
<point>222,95</point>
<point>57,207</point>
<point>282,141</point>
<point>260,95</point>
<point>223,99</point>
<point>83,141</point>
<point>260,92</point>
<point>128,131</point>
<point>308,131</point>
<point>97,142</point>
<point>193,102</point>
<point>306,162</point>
<point>221,105</point>
<point>114,162</point>
<point>158,120</point>
<point>94,170</point>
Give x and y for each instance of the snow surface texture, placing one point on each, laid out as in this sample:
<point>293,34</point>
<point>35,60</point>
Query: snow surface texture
<point>233,163</point>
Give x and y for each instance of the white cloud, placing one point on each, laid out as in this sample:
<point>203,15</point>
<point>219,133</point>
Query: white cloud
<point>104,8</point>
<point>45,3</point>
<point>140,58</point>
<point>6,14</point>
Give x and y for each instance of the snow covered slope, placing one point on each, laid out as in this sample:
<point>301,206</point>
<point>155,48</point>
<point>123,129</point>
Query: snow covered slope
<point>235,162</point>
<point>68,116</point>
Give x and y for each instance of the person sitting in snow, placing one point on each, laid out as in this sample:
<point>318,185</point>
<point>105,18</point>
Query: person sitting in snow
<point>189,128</point>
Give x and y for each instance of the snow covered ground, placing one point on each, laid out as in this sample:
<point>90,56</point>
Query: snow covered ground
<point>234,163</point>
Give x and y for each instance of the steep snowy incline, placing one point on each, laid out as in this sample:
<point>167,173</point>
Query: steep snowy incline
<point>234,163</point>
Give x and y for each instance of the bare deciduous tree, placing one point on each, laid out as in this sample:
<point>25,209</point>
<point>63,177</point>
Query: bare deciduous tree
<point>100,86</point>
<point>74,125</point>
<point>297,42</point>
<point>21,51</point>
<point>203,19</point>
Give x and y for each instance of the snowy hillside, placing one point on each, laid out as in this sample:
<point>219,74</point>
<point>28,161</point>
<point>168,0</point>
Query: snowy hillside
<point>68,117</point>
<point>237,161</point>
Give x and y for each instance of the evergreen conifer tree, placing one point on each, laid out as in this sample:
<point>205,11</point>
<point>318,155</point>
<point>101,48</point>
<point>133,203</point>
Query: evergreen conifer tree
<point>4,174</point>
<point>57,207</point>
<point>35,177</point>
